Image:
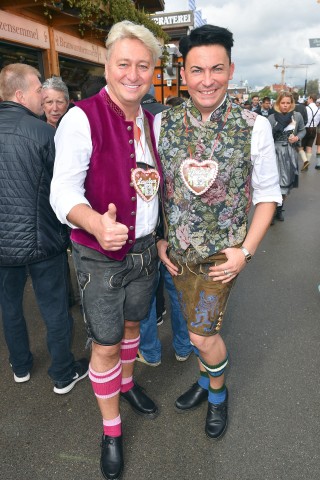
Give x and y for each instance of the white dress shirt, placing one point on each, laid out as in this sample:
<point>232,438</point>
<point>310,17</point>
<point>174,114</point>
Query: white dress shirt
<point>73,152</point>
<point>313,115</point>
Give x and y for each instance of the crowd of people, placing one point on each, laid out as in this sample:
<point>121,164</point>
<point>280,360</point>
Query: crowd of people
<point>153,195</point>
<point>296,130</point>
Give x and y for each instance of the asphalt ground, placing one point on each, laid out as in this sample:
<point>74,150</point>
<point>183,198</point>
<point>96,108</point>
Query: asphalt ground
<point>272,330</point>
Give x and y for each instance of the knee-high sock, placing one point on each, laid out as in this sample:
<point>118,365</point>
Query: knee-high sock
<point>112,427</point>
<point>303,155</point>
<point>204,380</point>
<point>216,396</point>
<point>128,354</point>
<point>106,385</point>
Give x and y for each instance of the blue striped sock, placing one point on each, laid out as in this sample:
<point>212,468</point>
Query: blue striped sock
<point>204,380</point>
<point>217,396</point>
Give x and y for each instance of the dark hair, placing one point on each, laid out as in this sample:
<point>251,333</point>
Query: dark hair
<point>92,86</point>
<point>314,96</point>
<point>174,101</point>
<point>295,96</point>
<point>206,35</point>
<point>266,99</point>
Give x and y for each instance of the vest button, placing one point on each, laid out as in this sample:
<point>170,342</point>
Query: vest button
<point>131,141</point>
<point>130,241</point>
<point>131,227</point>
<point>133,199</point>
<point>133,213</point>
<point>129,128</point>
<point>131,155</point>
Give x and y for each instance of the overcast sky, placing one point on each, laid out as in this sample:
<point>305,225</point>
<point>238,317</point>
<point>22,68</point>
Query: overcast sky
<point>266,32</point>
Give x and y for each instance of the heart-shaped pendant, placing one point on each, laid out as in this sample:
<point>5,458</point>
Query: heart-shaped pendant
<point>146,183</point>
<point>198,176</point>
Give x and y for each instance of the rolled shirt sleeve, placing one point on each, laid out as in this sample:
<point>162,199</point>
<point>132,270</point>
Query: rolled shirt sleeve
<point>73,151</point>
<point>265,176</point>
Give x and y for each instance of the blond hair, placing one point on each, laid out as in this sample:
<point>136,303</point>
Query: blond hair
<point>126,29</point>
<point>282,95</point>
<point>15,76</point>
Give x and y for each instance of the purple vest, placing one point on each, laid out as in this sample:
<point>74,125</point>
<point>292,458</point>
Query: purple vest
<point>108,178</point>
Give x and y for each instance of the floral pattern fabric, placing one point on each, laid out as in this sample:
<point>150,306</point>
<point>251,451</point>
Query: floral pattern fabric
<point>218,218</point>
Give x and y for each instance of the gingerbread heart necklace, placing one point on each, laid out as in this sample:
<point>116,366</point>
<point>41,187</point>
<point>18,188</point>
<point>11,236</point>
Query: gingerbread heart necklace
<point>145,181</point>
<point>199,175</point>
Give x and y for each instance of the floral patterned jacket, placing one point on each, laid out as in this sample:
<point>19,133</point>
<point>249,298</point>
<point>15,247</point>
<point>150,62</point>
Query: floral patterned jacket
<point>217,218</point>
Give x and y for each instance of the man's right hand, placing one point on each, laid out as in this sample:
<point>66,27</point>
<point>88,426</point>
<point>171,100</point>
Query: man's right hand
<point>162,246</point>
<point>111,234</point>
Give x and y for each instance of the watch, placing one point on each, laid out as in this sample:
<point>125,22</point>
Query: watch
<point>247,254</point>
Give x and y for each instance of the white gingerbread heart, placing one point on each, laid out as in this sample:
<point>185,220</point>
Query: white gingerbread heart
<point>199,176</point>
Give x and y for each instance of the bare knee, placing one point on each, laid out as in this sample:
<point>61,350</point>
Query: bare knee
<point>104,357</point>
<point>205,344</point>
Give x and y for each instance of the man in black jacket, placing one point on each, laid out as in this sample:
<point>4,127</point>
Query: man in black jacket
<point>32,240</point>
<point>265,108</point>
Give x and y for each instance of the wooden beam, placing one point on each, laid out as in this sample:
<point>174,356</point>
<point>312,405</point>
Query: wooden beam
<point>64,20</point>
<point>17,4</point>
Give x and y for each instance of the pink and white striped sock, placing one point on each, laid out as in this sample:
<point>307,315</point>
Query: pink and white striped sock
<point>106,384</point>
<point>128,353</point>
<point>126,384</point>
<point>129,349</point>
<point>112,427</point>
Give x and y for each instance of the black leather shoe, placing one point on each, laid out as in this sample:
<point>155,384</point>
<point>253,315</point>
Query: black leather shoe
<point>192,398</point>
<point>216,421</point>
<point>111,462</point>
<point>140,403</point>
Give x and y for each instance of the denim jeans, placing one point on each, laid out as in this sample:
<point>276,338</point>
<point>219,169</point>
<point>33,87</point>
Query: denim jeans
<point>150,345</point>
<point>50,284</point>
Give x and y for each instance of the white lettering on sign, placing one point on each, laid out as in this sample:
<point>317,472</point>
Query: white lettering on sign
<point>175,19</point>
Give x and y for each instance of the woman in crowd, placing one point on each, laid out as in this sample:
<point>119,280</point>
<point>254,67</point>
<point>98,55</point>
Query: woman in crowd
<point>55,99</point>
<point>288,129</point>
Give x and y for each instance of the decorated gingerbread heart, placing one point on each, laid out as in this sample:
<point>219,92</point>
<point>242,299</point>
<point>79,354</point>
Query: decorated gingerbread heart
<point>198,176</point>
<point>146,183</point>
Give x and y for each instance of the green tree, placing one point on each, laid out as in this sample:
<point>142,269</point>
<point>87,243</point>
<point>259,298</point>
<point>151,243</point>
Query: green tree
<point>101,14</point>
<point>266,92</point>
<point>312,86</point>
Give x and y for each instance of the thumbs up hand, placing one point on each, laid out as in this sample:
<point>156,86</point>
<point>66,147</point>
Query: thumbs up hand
<point>112,235</point>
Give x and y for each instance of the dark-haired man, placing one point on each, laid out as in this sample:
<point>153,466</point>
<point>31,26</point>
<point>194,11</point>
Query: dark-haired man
<point>212,152</point>
<point>255,103</point>
<point>265,108</point>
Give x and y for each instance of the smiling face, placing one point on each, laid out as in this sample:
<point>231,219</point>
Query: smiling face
<point>129,71</point>
<point>207,72</point>
<point>54,105</point>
